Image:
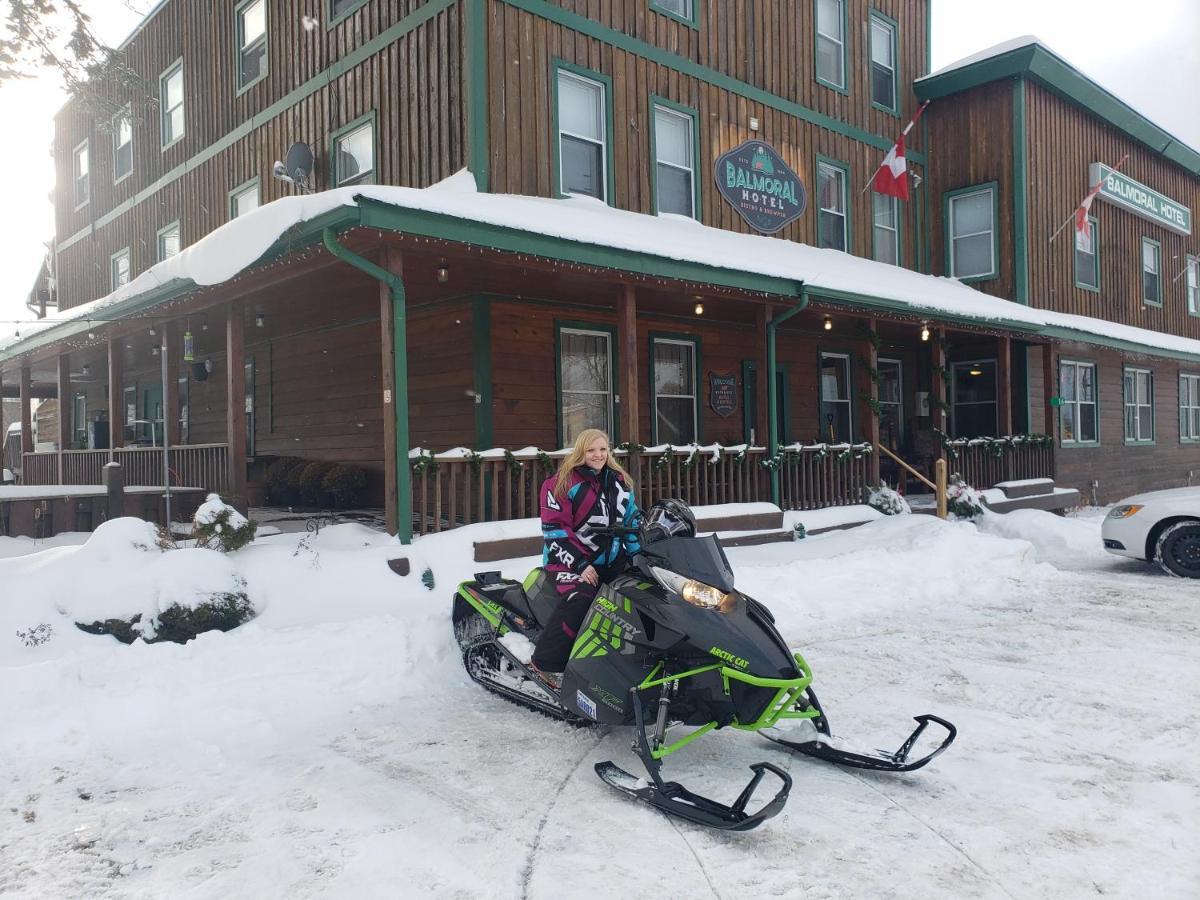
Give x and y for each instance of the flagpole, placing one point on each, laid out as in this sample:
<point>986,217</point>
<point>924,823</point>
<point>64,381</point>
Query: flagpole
<point>1094,187</point>
<point>903,134</point>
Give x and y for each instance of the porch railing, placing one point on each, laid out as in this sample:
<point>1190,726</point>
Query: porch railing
<point>985,462</point>
<point>824,475</point>
<point>194,465</point>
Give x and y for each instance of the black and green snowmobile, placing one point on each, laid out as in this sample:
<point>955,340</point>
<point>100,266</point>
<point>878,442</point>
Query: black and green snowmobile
<point>670,643</point>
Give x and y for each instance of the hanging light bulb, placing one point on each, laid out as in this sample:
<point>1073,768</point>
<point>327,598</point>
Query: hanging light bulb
<point>924,331</point>
<point>699,309</point>
<point>152,331</point>
<point>828,324</point>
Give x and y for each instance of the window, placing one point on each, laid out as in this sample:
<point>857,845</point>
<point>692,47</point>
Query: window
<point>354,154</point>
<point>674,373</point>
<point>883,63</point>
<point>582,136</point>
<point>119,268</point>
<point>675,155</point>
<point>887,228</point>
<point>972,230</point>
<point>1087,257</point>
<point>249,406</point>
<point>1077,415</point>
<point>891,399</point>
<point>340,8</point>
<point>831,213</point>
<point>184,404</point>
<point>585,381</point>
<point>1189,407</point>
<point>79,421</point>
<point>79,165</point>
<point>251,42</point>
<point>1193,285</point>
<point>1151,264</point>
<point>168,241</point>
<point>837,420</point>
<point>243,199</point>
<point>831,43</point>
<point>975,398</point>
<point>1139,406</point>
<point>129,422</point>
<point>122,131</point>
<point>680,9</point>
<point>170,101</point>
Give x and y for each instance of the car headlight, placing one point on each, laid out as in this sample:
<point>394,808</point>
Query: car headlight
<point>1124,512</point>
<point>694,592</point>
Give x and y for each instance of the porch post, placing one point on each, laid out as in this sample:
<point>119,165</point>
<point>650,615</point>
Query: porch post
<point>116,399</point>
<point>938,400</point>
<point>1049,387</point>
<point>235,395</point>
<point>1004,417</point>
<point>65,408</point>
<point>26,412</point>
<point>391,261</point>
<point>765,377</point>
<point>628,383</point>
<point>872,419</point>
<point>170,353</point>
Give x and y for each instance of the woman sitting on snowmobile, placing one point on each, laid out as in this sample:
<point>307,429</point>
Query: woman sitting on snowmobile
<point>590,489</point>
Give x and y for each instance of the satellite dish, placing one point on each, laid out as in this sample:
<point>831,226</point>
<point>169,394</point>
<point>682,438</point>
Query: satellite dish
<point>299,162</point>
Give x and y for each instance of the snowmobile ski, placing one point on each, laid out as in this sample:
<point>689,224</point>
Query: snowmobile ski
<point>824,746</point>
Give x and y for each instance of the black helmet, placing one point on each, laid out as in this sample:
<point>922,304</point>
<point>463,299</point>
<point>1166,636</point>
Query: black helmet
<point>668,518</point>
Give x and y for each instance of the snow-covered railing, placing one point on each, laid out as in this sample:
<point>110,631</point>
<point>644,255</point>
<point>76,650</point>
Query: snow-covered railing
<point>192,465</point>
<point>812,476</point>
<point>986,461</point>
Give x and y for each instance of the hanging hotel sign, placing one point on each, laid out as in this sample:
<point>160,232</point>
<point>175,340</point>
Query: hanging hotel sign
<point>722,393</point>
<point>1137,198</point>
<point>760,186</point>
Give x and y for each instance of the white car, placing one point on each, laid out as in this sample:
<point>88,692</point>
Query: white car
<point>1163,526</point>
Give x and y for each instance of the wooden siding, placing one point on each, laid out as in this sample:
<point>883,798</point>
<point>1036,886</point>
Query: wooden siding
<point>441,375</point>
<point>414,87</point>
<point>1063,141</point>
<point>521,57</point>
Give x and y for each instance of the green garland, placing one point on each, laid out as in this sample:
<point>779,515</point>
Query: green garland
<point>513,462</point>
<point>425,462</point>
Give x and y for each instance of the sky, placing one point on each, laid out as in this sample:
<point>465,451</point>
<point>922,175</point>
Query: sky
<point>1134,60</point>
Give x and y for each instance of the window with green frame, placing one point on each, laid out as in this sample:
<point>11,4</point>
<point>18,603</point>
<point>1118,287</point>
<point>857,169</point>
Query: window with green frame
<point>1139,406</point>
<point>830,38</point>
<point>251,19</point>
<point>972,235</point>
<point>886,228</point>
<point>1193,285</point>
<point>1087,256</point>
<point>1189,407</point>
<point>836,396</point>
<point>684,10</point>
<point>1151,272</point>
<point>79,421</point>
<point>833,217</point>
<point>883,63</point>
<point>675,160</point>
<point>119,269</point>
<point>339,9</point>
<point>1077,416</point>
<point>584,138</point>
<point>585,379</point>
<point>674,363</point>
<point>354,152</point>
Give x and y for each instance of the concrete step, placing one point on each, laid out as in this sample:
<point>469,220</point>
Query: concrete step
<point>1060,499</point>
<point>1028,487</point>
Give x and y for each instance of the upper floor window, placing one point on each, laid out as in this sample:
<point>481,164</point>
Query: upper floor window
<point>971,225</point>
<point>354,154</point>
<point>684,9</point>
<point>79,167</point>
<point>887,228</point>
<point>582,136</point>
<point>1193,285</point>
<point>1189,407</point>
<point>831,43</point>
<point>674,383</point>
<point>1151,266</point>
<point>122,129</point>
<point>675,161</point>
<point>168,242</point>
<point>252,42</point>
<point>243,199</point>
<point>119,268</point>
<point>831,212</point>
<point>170,101</point>
<point>1077,415</point>
<point>339,8</point>
<point>1087,256</point>
<point>1139,405</point>
<point>883,63</point>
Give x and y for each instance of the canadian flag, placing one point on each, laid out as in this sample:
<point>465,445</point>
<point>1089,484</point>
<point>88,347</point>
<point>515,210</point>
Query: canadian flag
<point>1083,229</point>
<point>891,178</point>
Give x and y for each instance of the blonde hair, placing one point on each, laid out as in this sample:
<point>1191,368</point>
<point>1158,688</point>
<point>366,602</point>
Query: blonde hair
<point>577,458</point>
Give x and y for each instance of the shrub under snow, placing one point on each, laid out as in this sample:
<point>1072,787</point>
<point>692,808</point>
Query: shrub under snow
<point>218,526</point>
<point>888,501</point>
<point>962,500</point>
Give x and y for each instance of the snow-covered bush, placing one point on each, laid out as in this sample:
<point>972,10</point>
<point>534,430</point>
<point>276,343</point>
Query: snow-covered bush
<point>218,526</point>
<point>178,623</point>
<point>962,500</point>
<point>888,501</point>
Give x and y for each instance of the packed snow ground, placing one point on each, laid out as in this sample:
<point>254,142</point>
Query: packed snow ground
<point>334,747</point>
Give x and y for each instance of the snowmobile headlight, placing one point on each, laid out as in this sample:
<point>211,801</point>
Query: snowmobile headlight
<point>694,592</point>
<point>1123,512</point>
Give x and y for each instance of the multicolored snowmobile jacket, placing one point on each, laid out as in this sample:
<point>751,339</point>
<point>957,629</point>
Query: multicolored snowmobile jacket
<point>591,498</point>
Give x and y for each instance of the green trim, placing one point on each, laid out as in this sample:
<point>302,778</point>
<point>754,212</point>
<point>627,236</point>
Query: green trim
<point>694,115</point>
<point>162,109</point>
<point>332,19</point>
<point>241,188</point>
<point>685,66</point>
<point>112,272</point>
<point>1139,442</point>
<point>1079,445</point>
<point>558,66</point>
<point>1020,194</point>
<point>1022,413</point>
<point>899,229</point>
<point>1191,261</point>
<point>840,88</point>
<point>1052,72</point>
<point>341,132</point>
<point>241,88</point>
<point>690,21</point>
<point>948,196</point>
<point>697,370</point>
<point>1182,375</point>
<point>613,372</point>
<point>1146,301</point>
<point>847,196</point>
<point>334,71</point>
<point>159,236</point>
<point>887,20</point>
<point>478,154</point>
<point>749,399</point>
<point>125,113</point>
<point>481,355</point>
<point>918,232</point>
<point>1095,252</point>
<point>926,249</point>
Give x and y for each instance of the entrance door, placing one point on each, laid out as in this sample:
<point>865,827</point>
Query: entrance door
<point>750,403</point>
<point>975,399</point>
<point>150,431</point>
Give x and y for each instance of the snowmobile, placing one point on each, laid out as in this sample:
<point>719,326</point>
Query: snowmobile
<point>669,643</point>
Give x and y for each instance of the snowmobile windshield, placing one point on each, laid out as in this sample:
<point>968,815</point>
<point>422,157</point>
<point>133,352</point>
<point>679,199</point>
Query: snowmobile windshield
<point>702,559</point>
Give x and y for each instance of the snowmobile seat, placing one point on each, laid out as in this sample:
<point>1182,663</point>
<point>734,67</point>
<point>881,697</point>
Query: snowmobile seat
<point>541,595</point>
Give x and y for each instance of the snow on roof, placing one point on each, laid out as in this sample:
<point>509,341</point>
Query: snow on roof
<point>236,245</point>
<point>1025,40</point>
